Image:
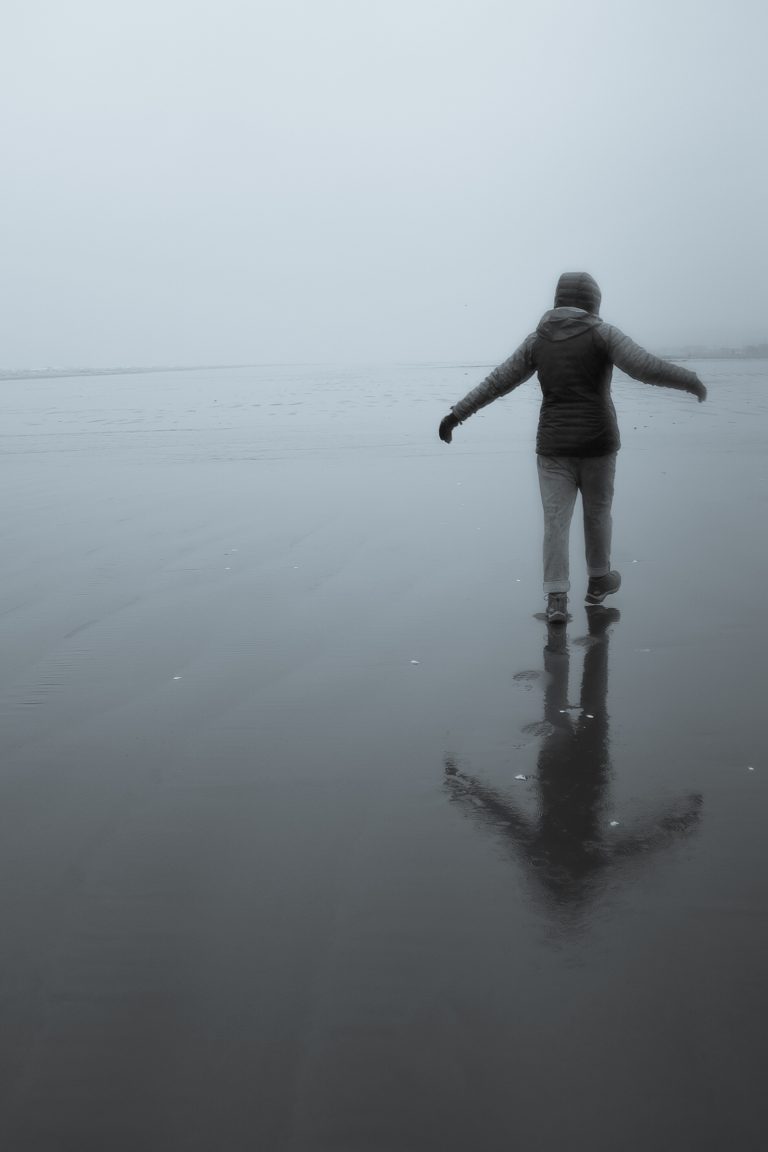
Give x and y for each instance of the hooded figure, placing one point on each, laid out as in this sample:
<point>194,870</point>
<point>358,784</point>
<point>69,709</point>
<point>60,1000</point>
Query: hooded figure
<point>573,353</point>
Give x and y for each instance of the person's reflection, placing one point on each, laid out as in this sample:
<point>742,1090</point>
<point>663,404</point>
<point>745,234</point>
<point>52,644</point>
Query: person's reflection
<point>571,846</point>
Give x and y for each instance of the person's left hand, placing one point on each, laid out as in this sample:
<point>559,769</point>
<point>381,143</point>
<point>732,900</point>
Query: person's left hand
<point>447,425</point>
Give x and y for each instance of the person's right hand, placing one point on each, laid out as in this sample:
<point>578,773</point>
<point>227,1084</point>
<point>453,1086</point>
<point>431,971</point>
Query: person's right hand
<point>698,390</point>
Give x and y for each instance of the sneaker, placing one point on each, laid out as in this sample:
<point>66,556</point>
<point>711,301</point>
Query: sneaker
<point>602,586</point>
<point>557,608</point>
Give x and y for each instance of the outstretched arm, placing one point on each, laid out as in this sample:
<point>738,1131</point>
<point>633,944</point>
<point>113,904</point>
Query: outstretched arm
<point>514,371</point>
<point>681,818</point>
<point>486,803</point>
<point>641,365</point>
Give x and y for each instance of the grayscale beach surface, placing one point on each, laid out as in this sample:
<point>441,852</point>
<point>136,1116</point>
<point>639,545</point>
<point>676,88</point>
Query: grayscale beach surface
<point>312,837</point>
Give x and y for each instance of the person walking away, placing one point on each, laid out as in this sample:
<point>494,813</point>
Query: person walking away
<point>573,351</point>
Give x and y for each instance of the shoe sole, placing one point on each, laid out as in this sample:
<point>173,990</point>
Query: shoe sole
<point>597,598</point>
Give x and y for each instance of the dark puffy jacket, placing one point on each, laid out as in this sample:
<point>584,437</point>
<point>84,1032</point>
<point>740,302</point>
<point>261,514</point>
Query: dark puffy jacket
<point>574,351</point>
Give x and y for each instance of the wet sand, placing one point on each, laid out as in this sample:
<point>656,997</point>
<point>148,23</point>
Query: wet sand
<point>312,836</point>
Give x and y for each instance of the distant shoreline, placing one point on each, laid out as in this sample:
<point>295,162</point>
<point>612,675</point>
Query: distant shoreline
<point>758,353</point>
<point>69,373</point>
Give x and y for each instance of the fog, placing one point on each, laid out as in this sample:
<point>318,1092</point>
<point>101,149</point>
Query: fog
<point>361,180</point>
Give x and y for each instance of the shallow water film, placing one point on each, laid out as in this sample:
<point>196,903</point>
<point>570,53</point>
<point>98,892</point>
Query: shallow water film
<point>314,835</point>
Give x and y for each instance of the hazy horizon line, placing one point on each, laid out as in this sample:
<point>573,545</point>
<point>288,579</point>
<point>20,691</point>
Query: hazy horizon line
<point>685,352</point>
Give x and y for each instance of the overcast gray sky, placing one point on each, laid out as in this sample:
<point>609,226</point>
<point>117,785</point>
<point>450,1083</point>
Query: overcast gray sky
<point>190,181</point>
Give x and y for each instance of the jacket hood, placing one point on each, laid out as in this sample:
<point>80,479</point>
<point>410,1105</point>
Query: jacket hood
<point>578,290</point>
<point>565,323</point>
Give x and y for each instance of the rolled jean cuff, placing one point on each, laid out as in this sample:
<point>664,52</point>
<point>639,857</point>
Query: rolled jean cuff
<point>596,575</point>
<point>556,586</point>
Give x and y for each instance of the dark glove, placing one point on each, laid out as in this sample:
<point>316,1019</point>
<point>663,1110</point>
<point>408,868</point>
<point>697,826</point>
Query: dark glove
<point>447,425</point>
<point>698,390</point>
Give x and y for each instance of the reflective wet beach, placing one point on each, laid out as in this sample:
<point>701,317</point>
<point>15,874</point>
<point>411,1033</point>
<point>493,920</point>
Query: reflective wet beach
<point>271,674</point>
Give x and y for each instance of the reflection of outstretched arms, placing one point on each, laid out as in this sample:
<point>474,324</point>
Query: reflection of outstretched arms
<point>681,818</point>
<point>569,848</point>
<point>468,791</point>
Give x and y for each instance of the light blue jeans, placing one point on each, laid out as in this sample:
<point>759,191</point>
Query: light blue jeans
<point>560,478</point>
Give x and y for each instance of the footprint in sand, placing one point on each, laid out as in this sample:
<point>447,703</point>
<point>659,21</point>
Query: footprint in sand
<point>538,728</point>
